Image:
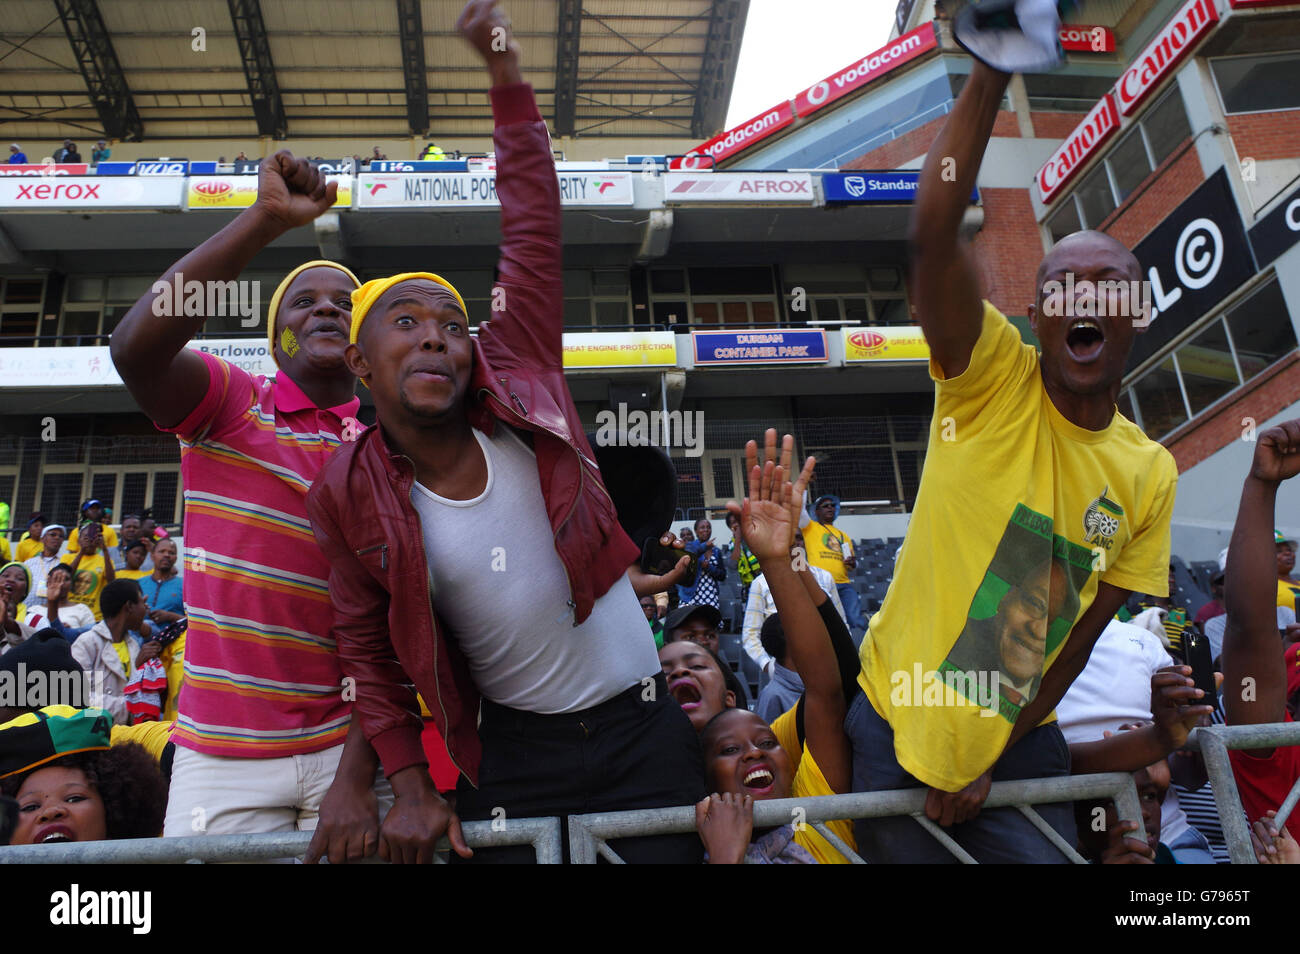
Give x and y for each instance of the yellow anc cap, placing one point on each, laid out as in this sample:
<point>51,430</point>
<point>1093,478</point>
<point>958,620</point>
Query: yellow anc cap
<point>274,308</point>
<point>365,296</point>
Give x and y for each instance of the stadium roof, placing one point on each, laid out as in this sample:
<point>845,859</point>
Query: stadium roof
<point>134,71</point>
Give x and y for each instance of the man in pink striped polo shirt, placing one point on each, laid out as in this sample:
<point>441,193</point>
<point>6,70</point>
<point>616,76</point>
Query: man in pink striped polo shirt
<point>264,713</point>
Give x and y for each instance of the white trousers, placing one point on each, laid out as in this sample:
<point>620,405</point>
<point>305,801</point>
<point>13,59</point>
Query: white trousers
<point>216,795</point>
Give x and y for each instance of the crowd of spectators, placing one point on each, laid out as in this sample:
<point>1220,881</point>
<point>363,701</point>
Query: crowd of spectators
<point>447,616</point>
<point>69,153</point>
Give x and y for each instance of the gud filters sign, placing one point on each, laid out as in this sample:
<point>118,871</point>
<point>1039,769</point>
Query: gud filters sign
<point>239,192</point>
<point>892,343</point>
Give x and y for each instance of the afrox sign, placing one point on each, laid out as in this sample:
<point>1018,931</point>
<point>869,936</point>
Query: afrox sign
<point>1195,258</point>
<point>753,188</point>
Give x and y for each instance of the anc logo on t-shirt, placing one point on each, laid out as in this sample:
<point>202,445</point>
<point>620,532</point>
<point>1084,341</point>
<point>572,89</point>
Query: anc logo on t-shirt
<point>1101,520</point>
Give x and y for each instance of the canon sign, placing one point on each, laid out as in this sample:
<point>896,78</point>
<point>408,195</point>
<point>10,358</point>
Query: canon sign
<point>1170,45</point>
<point>1098,126</point>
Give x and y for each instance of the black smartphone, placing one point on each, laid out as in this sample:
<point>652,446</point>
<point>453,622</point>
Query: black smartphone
<point>1197,649</point>
<point>170,632</point>
<point>8,818</point>
<point>658,559</point>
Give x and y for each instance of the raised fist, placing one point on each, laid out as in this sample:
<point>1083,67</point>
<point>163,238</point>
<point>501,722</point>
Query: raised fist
<point>292,192</point>
<point>1277,453</point>
<point>487,29</point>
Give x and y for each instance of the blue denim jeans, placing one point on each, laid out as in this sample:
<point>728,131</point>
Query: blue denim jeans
<point>852,605</point>
<point>1192,848</point>
<point>994,836</point>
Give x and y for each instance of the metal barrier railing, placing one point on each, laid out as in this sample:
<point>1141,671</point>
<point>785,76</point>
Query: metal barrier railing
<point>589,834</point>
<point>1213,743</point>
<point>542,833</point>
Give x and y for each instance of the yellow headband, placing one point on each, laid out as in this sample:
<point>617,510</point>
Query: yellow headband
<point>365,296</point>
<point>273,309</point>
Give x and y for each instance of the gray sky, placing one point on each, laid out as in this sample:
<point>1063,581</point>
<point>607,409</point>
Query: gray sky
<point>791,44</point>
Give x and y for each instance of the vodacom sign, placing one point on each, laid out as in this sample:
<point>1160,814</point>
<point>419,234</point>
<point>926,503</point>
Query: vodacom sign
<point>852,78</point>
<point>1175,41</point>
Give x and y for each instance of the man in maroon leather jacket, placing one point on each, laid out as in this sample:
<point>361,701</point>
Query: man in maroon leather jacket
<point>446,405</point>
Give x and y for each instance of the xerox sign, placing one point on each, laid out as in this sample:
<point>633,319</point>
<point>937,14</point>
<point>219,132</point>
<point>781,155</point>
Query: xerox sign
<point>86,193</point>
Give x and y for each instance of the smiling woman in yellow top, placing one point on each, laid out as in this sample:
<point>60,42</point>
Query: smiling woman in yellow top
<point>805,752</point>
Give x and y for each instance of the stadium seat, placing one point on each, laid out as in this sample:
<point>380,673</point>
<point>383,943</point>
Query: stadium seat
<point>729,648</point>
<point>750,673</point>
<point>1203,571</point>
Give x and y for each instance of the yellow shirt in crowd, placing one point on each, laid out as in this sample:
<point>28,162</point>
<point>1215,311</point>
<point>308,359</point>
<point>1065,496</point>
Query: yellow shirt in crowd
<point>89,581</point>
<point>823,546</point>
<point>1019,515</point>
<point>110,538</point>
<point>28,548</point>
<point>808,780</point>
<point>1287,591</point>
<point>132,575</point>
<point>152,735</point>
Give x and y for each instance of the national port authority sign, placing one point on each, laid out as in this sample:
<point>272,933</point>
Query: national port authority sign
<point>397,191</point>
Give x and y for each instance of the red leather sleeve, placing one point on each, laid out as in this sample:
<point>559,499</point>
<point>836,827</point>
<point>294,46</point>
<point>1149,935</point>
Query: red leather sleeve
<point>386,701</point>
<point>527,317</point>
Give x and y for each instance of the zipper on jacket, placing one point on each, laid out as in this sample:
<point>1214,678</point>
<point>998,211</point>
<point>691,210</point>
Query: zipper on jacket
<point>433,621</point>
<point>383,554</point>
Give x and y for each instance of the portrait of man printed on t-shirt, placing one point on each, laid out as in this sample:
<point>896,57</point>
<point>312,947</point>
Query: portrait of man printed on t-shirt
<point>1023,609</point>
<point>85,583</point>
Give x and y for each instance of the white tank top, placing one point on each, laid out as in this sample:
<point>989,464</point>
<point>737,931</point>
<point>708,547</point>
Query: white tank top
<point>499,586</point>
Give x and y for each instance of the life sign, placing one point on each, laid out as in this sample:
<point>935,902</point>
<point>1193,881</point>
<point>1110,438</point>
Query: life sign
<point>1194,259</point>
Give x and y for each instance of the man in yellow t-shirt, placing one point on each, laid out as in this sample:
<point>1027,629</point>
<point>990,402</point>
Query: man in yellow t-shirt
<point>30,544</point>
<point>831,549</point>
<point>1040,509</point>
<point>1287,589</point>
<point>92,570</point>
<point>92,513</point>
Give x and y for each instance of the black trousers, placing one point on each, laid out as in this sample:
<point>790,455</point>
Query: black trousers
<point>636,750</point>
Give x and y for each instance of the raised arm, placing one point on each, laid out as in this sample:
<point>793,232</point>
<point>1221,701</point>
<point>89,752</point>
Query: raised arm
<point>944,286</point>
<point>527,315</point>
<point>148,348</point>
<point>1254,673</point>
<point>769,519</point>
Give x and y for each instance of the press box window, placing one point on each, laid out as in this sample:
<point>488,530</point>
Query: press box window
<point>1253,84</point>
